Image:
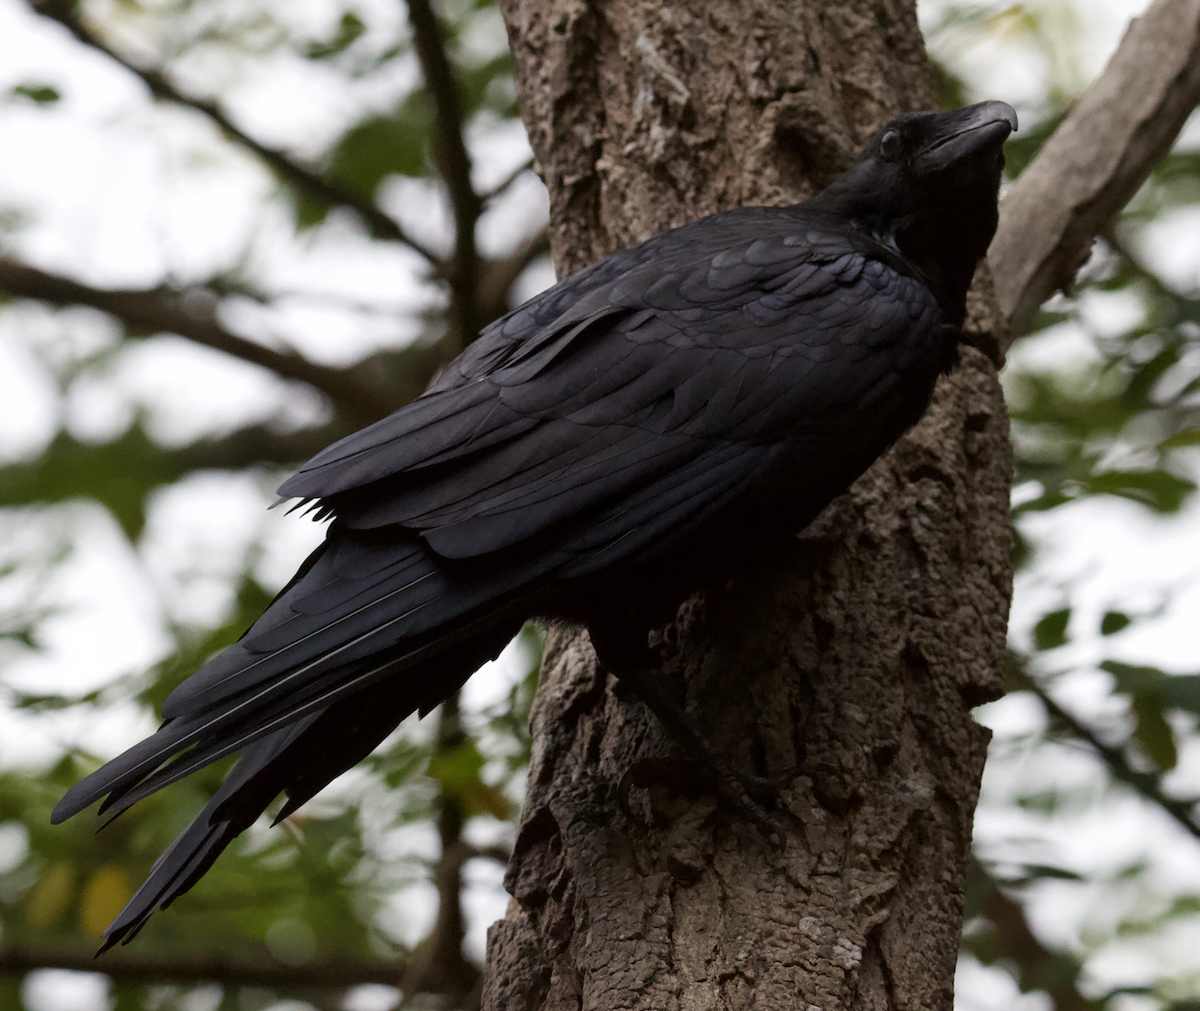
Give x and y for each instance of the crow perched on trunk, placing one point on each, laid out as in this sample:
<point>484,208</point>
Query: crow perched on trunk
<point>594,456</point>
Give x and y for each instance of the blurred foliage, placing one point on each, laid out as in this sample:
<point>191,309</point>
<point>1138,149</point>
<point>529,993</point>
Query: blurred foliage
<point>1119,418</point>
<point>342,883</point>
<point>332,885</point>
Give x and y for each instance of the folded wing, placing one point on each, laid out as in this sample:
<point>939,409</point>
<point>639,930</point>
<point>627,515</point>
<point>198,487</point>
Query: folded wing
<point>576,435</point>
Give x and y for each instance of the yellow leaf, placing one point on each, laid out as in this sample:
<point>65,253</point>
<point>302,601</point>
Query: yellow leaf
<point>104,897</point>
<point>50,896</point>
<point>480,798</point>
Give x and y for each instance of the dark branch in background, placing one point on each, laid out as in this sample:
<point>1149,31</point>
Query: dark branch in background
<point>439,965</point>
<point>191,313</point>
<point>338,974</point>
<point>478,287</point>
<point>1097,158</point>
<point>498,276</point>
<point>361,393</point>
<point>1036,966</point>
<point>1146,784</point>
<point>292,172</point>
<point>455,165</point>
<point>255,444</point>
<point>502,186</point>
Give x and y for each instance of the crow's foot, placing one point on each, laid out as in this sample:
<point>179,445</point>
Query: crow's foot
<point>749,796</point>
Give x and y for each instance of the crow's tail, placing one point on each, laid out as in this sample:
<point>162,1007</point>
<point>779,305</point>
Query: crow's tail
<point>299,760</point>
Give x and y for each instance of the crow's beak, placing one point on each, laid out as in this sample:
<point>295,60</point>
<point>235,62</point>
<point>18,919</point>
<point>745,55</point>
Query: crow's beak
<point>966,132</point>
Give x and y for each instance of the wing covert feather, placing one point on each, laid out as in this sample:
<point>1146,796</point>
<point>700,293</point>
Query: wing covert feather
<point>594,409</point>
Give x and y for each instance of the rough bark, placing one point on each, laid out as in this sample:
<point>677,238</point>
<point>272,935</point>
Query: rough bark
<point>848,664</point>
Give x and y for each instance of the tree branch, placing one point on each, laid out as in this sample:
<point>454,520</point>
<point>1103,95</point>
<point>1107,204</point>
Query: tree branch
<point>133,969</point>
<point>1018,944</point>
<point>292,172</point>
<point>498,276</point>
<point>1097,158</point>
<point>502,186</point>
<point>438,965</point>
<point>453,160</point>
<point>256,444</point>
<point>1146,784</point>
<point>191,313</point>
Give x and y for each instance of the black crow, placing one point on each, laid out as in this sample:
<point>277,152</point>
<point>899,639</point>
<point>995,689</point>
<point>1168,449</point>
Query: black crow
<point>594,456</point>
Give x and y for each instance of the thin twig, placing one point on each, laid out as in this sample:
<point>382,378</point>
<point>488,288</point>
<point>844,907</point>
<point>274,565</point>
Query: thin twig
<point>454,162</point>
<point>295,174</point>
<point>502,186</point>
<point>498,276</point>
<point>1021,947</point>
<point>1147,784</point>
<point>190,313</point>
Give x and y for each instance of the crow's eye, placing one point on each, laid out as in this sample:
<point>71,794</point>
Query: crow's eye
<point>889,145</point>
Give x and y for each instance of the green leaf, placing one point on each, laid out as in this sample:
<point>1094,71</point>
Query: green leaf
<point>457,772</point>
<point>1175,691</point>
<point>486,87</point>
<point>1188,437</point>
<point>39,94</point>
<point>1153,731</point>
<point>120,474</point>
<point>310,210</point>
<point>1051,631</point>
<point>455,767</point>
<point>384,146</point>
<point>1161,491</point>
<point>1113,622</point>
<point>1131,678</point>
<point>350,28</point>
<point>1181,691</point>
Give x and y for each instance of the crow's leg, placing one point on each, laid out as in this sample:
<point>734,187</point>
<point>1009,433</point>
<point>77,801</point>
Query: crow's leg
<point>638,669</point>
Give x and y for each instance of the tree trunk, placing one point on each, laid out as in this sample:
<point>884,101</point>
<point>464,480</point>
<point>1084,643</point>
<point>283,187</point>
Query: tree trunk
<point>848,664</point>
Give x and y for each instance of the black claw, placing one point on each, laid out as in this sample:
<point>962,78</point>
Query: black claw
<point>704,769</point>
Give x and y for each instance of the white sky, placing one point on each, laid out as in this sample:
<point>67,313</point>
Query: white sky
<point>119,192</point>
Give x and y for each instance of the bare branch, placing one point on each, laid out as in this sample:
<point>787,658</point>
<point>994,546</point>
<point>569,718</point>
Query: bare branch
<point>1018,944</point>
<point>191,313</point>
<point>453,160</point>
<point>125,969</point>
<point>287,168</point>
<point>1096,160</point>
<point>502,186</point>
<point>1147,784</point>
<point>439,965</point>
<point>256,444</point>
<point>498,276</point>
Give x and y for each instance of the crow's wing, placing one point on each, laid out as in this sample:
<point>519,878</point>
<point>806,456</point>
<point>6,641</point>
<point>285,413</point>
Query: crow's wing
<point>606,419</point>
<point>619,427</point>
<point>650,404</point>
<point>667,369</point>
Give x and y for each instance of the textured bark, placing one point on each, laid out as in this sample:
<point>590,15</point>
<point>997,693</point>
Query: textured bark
<point>848,664</point>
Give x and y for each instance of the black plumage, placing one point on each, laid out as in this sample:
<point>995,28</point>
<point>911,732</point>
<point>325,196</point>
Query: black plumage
<point>594,456</point>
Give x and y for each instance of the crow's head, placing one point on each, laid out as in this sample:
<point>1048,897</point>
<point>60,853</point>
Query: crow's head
<point>927,184</point>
